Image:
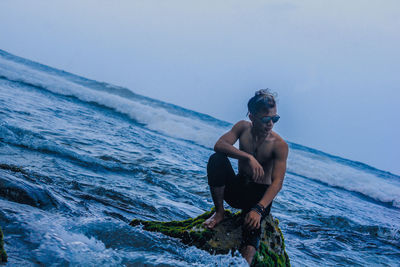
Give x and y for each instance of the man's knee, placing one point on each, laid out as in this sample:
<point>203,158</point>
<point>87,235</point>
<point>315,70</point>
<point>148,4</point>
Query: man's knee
<point>217,169</point>
<point>217,158</point>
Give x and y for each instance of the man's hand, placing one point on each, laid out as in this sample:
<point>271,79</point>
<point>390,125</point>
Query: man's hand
<point>257,169</point>
<point>252,220</point>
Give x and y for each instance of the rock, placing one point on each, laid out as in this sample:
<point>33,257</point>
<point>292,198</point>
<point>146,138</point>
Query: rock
<point>3,254</point>
<point>225,237</point>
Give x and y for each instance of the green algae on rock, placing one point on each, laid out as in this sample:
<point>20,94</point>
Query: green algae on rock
<point>3,254</point>
<point>225,237</point>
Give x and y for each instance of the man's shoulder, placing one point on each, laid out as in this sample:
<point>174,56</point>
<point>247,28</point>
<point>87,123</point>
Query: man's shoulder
<point>242,125</point>
<point>279,143</point>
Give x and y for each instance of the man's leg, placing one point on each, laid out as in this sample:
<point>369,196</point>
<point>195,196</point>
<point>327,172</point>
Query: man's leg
<point>217,194</point>
<point>251,237</point>
<point>250,242</point>
<point>248,253</point>
<point>219,172</point>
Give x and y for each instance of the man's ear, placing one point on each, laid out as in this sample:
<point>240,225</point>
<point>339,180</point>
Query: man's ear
<point>251,117</point>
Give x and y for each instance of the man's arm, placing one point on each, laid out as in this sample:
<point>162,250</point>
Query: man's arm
<point>252,219</point>
<point>225,145</point>
<point>278,174</point>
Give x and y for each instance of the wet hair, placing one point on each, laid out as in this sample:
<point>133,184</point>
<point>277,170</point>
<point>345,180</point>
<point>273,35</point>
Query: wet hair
<point>263,100</point>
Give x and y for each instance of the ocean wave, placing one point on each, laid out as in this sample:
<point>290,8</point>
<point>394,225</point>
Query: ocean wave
<point>343,229</point>
<point>327,170</point>
<point>352,163</point>
<point>156,117</point>
<point>21,191</point>
<point>24,138</point>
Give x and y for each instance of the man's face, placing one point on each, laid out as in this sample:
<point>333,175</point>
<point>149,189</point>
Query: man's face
<point>260,126</point>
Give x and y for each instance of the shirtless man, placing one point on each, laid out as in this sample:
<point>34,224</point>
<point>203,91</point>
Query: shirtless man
<point>262,156</point>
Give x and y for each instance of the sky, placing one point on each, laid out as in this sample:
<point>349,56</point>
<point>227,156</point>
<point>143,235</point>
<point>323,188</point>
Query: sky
<point>334,64</point>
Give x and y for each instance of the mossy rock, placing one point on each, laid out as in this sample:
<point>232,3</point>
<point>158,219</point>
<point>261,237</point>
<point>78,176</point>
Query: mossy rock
<point>225,237</point>
<point>3,254</point>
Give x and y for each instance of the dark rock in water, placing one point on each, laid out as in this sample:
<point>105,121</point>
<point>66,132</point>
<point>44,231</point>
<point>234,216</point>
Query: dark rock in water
<point>3,254</point>
<point>21,191</point>
<point>225,237</point>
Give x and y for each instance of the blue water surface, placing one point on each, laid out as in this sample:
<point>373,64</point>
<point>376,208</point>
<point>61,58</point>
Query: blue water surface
<point>79,159</point>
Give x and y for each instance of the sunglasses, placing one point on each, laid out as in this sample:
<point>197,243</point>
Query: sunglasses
<point>267,119</point>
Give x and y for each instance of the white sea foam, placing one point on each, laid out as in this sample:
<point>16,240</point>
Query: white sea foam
<point>325,169</point>
<point>155,118</point>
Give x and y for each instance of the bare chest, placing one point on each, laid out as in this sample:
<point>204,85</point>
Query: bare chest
<point>263,151</point>
<point>264,155</point>
<point>260,148</point>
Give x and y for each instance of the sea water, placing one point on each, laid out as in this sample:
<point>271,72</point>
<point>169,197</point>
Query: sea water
<point>79,159</point>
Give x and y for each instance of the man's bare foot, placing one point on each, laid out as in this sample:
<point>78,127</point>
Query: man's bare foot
<point>215,219</point>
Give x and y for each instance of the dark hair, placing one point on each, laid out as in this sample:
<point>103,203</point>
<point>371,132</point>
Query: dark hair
<point>263,99</point>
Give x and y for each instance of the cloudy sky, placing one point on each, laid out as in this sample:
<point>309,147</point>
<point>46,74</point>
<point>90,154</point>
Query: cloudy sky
<point>334,64</point>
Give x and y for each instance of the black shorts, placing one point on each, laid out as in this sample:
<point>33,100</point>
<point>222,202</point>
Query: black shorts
<point>240,192</point>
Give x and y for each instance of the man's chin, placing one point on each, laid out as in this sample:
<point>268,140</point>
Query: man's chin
<point>265,132</point>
